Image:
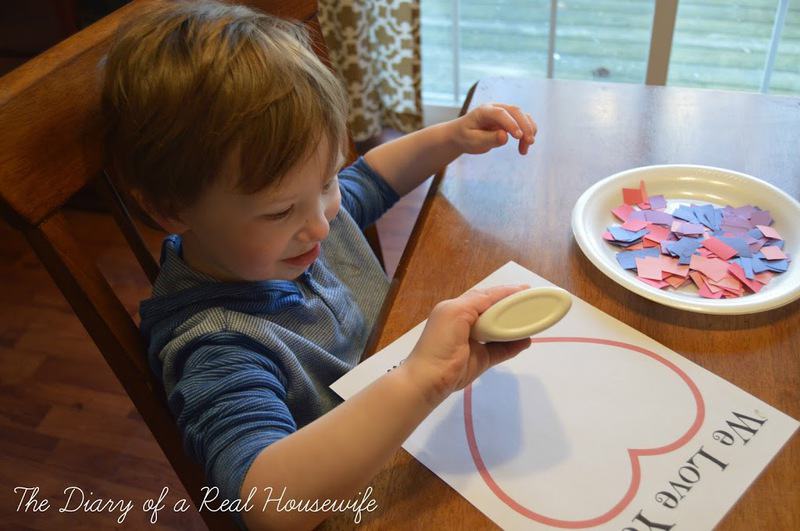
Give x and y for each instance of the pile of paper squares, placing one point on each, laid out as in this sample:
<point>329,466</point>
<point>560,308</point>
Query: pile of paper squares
<point>724,252</point>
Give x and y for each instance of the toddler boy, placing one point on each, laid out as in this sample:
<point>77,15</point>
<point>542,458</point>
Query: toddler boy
<point>226,128</point>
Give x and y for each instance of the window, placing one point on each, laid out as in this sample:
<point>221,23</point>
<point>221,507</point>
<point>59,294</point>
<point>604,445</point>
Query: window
<point>715,44</point>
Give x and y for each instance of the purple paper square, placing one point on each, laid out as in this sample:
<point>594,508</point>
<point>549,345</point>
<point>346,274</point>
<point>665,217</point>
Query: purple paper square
<point>691,228</point>
<point>637,215</point>
<point>657,201</point>
<point>761,217</point>
<point>744,211</point>
<point>659,218</point>
<point>736,221</point>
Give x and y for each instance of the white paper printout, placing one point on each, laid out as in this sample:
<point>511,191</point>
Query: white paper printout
<point>594,426</point>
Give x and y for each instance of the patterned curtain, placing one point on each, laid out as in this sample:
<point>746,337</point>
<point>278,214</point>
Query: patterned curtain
<point>375,47</point>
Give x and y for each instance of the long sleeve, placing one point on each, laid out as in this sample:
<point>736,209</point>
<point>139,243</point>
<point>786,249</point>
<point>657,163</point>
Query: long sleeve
<point>365,194</point>
<point>230,403</point>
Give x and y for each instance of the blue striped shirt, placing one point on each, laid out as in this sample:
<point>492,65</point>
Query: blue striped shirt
<point>246,363</point>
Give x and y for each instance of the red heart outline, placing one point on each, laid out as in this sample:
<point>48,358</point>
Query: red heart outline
<point>634,454</point>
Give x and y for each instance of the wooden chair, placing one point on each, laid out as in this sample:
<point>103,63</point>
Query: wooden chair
<point>51,145</point>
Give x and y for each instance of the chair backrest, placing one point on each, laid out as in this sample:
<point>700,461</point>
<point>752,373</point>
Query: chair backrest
<point>51,146</point>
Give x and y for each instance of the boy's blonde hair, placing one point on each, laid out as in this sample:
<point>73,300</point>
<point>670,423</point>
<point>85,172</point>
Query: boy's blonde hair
<point>187,82</point>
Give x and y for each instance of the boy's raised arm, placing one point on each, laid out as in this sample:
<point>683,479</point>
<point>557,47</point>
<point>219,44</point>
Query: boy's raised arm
<point>410,159</point>
<point>407,161</point>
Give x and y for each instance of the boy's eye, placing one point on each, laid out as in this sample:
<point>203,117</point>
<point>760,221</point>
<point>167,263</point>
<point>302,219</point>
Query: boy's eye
<point>329,184</point>
<point>279,215</point>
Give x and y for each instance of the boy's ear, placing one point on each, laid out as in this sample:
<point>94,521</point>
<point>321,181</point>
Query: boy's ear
<point>169,224</point>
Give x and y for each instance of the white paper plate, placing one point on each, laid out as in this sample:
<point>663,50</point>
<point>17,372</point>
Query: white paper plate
<point>688,184</point>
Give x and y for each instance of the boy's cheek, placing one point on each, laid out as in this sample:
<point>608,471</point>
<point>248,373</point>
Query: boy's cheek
<point>261,256</point>
<point>333,209</point>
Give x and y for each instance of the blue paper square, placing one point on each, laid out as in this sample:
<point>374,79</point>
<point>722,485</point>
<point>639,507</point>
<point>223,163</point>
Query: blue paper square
<point>626,236</point>
<point>759,265</point>
<point>742,249</point>
<point>747,265</point>
<point>685,213</point>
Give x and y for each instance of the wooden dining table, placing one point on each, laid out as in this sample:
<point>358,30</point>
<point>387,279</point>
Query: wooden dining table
<point>484,210</point>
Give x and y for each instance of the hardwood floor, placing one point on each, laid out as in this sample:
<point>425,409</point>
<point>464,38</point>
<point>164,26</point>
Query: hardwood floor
<point>64,418</point>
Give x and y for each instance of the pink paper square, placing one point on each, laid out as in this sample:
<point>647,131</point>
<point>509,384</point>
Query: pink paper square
<point>698,279</point>
<point>727,282</point>
<point>764,277</point>
<point>712,287</point>
<point>719,248</point>
<point>676,282</point>
<point>649,267</point>
<point>708,294</point>
<point>773,253</point>
<point>622,212</point>
<point>769,232</point>
<point>713,268</point>
<point>634,225</point>
<point>632,196</point>
<point>671,266</point>
<point>737,271</point>
<point>660,284</point>
<point>657,233</point>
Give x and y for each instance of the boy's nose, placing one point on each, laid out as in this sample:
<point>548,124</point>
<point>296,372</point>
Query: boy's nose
<point>316,228</point>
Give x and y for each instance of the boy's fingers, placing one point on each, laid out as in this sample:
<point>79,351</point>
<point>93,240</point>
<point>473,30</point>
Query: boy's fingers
<point>500,352</point>
<point>526,125</point>
<point>522,124</point>
<point>481,299</point>
<point>530,137</point>
<point>500,116</point>
<point>535,127</point>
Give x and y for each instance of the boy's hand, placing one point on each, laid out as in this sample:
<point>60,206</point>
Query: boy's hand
<point>488,126</point>
<point>445,359</point>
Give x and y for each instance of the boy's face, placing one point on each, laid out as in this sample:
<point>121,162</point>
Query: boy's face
<point>272,234</point>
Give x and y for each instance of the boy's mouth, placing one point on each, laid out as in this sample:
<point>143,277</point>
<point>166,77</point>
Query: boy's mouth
<point>305,258</point>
